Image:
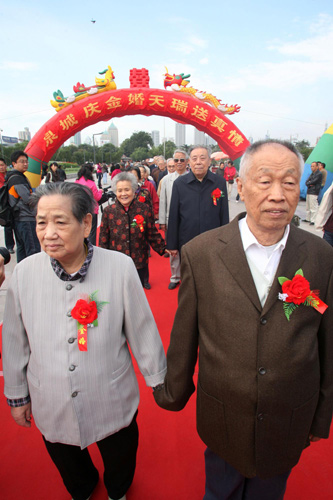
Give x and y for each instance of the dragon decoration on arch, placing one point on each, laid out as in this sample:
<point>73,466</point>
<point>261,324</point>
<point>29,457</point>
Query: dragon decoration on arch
<point>81,91</point>
<point>179,83</point>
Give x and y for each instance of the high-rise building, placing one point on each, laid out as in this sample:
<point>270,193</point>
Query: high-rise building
<point>77,139</point>
<point>199,137</point>
<point>24,135</point>
<point>155,135</point>
<point>210,141</point>
<point>110,136</point>
<point>180,134</point>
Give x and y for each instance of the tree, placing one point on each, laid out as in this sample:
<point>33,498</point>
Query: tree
<point>304,148</point>
<point>139,154</point>
<point>137,140</point>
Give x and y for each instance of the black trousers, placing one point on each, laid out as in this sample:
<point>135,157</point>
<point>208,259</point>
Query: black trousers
<point>79,474</point>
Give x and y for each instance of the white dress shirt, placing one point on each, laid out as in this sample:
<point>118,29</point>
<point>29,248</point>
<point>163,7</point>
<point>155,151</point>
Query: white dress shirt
<point>263,260</point>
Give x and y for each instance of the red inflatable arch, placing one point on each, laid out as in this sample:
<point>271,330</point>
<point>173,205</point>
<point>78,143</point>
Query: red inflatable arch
<point>121,102</point>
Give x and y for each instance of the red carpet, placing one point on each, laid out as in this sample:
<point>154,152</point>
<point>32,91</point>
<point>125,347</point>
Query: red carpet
<point>170,461</point>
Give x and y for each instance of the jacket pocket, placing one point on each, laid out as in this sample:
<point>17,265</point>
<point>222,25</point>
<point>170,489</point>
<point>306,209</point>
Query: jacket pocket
<point>211,421</point>
<point>300,426</point>
<point>32,379</point>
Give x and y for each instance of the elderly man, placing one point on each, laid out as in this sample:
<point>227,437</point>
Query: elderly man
<point>171,168</point>
<point>265,383</point>
<point>180,162</point>
<point>199,202</point>
<point>313,184</point>
<point>161,170</point>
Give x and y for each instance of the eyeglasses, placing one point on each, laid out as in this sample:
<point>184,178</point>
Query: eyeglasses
<point>22,161</point>
<point>176,160</point>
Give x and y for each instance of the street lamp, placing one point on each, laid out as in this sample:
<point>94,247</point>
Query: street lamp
<point>99,133</point>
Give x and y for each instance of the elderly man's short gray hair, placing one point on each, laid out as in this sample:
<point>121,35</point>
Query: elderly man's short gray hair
<point>124,176</point>
<point>81,197</point>
<point>246,160</point>
<point>180,151</point>
<point>199,146</point>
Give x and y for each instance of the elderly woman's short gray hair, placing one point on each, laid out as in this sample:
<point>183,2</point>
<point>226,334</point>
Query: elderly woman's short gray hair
<point>81,197</point>
<point>124,176</point>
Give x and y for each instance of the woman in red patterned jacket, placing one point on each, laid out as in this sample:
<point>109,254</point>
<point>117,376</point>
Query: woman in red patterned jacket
<point>128,226</point>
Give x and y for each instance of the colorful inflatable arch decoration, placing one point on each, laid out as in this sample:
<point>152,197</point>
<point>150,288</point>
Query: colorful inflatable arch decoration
<point>103,101</point>
<point>322,152</point>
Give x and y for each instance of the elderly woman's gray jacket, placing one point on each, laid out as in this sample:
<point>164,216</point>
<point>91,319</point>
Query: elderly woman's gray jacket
<point>79,397</point>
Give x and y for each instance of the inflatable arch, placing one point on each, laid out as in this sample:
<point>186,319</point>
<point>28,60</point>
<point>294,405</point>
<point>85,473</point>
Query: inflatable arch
<point>322,152</point>
<point>138,99</point>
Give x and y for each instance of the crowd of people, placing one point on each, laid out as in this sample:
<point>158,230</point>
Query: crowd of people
<point>249,307</point>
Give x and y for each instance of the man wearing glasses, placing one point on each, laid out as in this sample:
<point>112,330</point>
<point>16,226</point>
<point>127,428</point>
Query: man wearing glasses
<point>199,202</point>
<point>19,191</point>
<point>180,161</point>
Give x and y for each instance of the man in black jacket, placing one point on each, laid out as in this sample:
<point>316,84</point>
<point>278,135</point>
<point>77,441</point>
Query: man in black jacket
<point>199,202</point>
<point>19,191</point>
<point>314,184</point>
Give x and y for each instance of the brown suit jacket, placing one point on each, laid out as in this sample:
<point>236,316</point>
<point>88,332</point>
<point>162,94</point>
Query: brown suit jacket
<point>264,382</point>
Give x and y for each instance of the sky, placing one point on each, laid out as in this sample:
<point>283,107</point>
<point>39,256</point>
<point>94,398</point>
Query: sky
<point>274,59</point>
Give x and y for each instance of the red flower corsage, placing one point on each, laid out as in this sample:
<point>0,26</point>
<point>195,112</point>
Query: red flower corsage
<point>216,195</point>
<point>141,198</point>
<point>138,221</point>
<point>297,292</point>
<point>86,314</point>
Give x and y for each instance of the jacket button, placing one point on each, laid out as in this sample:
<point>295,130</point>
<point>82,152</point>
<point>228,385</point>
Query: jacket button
<point>74,394</point>
<point>262,371</point>
<point>72,368</point>
<point>263,321</point>
<point>260,416</point>
<point>71,340</point>
<point>69,314</point>
<point>69,287</point>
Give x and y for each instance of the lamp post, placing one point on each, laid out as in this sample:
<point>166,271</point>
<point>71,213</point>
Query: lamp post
<point>99,133</point>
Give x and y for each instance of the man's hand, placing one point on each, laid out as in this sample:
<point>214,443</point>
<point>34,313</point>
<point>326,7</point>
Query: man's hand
<point>173,253</point>
<point>162,227</point>
<point>314,439</point>
<point>22,415</point>
<point>2,270</point>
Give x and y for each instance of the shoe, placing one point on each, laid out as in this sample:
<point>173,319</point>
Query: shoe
<point>311,224</point>
<point>172,286</point>
<point>147,286</point>
<point>11,250</point>
<point>166,255</point>
<point>305,220</point>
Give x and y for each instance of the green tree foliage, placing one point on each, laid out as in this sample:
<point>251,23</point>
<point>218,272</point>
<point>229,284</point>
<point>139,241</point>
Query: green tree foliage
<point>137,140</point>
<point>304,148</point>
<point>7,151</point>
<point>159,151</point>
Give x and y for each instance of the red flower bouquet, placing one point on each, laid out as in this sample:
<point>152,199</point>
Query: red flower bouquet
<point>138,221</point>
<point>216,195</point>
<point>86,314</point>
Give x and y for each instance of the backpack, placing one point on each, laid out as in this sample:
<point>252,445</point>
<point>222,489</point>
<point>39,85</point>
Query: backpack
<point>6,211</point>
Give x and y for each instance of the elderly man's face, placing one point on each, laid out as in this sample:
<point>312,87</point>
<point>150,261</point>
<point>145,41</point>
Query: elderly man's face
<point>270,191</point>
<point>199,162</point>
<point>161,164</point>
<point>171,166</point>
<point>314,167</point>
<point>60,234</point>
<point>180,161</point>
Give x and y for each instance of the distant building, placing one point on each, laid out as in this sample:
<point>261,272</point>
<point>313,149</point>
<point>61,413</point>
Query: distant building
<point>88,140</point>
<point>199,137</point>
<point>110,136</point>
<point>155,135</point>
<point>180,134</point>
<point>210,141</point>
<point>24,135</point>
<point>75,140</point>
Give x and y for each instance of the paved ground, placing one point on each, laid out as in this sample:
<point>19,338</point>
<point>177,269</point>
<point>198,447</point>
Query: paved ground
<point>234,208</point>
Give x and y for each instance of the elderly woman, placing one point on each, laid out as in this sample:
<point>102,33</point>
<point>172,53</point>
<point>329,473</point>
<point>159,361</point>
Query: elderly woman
<point>128,226</point>
<point>66,332</point>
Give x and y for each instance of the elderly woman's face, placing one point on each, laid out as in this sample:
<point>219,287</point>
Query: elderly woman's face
<point>124,193</point>
<point>60,234</point>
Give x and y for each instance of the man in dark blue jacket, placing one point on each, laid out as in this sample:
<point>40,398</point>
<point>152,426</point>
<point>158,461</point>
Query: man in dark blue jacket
<point>199,202</point>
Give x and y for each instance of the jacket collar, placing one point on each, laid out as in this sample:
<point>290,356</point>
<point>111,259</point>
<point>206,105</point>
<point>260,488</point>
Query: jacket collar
<point>190,177</point>
<point>232,254</point>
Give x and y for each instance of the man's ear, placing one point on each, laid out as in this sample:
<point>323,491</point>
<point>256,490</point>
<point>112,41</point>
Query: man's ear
<point>240,188</point>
